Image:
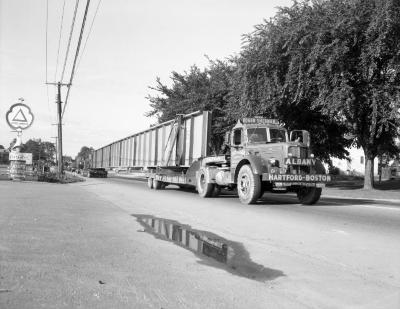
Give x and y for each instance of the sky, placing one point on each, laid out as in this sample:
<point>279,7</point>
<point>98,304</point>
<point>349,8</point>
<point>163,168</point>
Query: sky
<point>131,44</point>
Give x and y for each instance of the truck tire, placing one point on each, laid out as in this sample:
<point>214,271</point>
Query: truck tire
<point>216,191</point>
<point>309,195</point>
<point>157,184</point>
<point>150,183</point>
<point>248,185</point>
<point>204,188</point>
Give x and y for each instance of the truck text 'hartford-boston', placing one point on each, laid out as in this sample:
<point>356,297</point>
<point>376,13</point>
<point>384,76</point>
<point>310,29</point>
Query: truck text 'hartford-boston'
<point>259,155</point>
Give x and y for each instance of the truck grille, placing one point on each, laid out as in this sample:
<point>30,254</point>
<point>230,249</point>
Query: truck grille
<point>298,152</point>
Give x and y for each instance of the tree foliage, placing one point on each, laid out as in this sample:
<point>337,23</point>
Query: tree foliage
<point>275,77</point>
<point>195,90</point>
<point>41,150</point>
<point>83,157</point>
<point>353,65</point>
<point>331,67</point>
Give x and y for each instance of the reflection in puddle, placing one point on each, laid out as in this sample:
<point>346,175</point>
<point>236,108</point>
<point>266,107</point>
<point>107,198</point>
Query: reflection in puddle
<point>207,245</point>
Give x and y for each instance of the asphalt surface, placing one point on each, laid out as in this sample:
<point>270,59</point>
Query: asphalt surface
<point>79,246</point>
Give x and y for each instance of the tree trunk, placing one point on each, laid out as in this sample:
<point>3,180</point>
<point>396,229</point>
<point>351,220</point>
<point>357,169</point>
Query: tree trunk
<point>369,171</point>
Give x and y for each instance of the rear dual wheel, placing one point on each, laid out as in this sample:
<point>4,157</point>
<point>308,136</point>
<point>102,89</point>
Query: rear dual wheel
<point>216,191</point>
<point>158,185</point>
<point>150,183</point>
<point>204,188</point>
<point>155,184</point>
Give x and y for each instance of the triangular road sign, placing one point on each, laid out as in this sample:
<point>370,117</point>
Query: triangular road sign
<point>20,117</point>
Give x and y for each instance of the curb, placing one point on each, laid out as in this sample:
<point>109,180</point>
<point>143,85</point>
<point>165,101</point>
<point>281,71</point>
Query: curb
<point>362,198</point>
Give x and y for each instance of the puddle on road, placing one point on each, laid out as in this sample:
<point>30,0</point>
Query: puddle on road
<point>212,249</point>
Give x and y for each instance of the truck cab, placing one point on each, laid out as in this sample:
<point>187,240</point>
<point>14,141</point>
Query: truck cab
<point>264,156</point>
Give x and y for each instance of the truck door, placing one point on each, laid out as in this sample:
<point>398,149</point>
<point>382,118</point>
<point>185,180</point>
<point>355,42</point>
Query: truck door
<point>237,148</point>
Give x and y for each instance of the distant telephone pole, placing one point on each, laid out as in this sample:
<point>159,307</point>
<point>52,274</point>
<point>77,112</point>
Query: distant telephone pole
<point>55,145</point>
<point>59,125</point>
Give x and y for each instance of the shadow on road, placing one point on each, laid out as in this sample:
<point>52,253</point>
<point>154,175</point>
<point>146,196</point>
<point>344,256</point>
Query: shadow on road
<point>385,185</point>
<point>213,250</point>
<point>290,198</point>
<point>326,201</point>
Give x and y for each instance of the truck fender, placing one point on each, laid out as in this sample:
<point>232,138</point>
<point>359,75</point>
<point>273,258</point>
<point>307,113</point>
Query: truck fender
<point>209,173</point>
<point>255,163</point>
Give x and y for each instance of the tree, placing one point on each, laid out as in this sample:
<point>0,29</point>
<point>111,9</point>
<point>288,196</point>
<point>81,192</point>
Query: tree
<point>331,67</point>
<point>84,156</point>
<point>196,90</point>
<point>270,80</point>
<point>41,150</point>
<point>3,155</point>
<point>355,63</point>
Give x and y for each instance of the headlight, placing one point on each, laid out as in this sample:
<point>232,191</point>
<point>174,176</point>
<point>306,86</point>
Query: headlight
<point>274,162</point>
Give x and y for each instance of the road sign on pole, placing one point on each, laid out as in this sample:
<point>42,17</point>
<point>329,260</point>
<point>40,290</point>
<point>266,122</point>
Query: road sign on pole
<point>21,156</point>
<point>19,116</point>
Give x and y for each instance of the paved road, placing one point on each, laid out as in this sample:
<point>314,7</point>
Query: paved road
<point>57,249</point>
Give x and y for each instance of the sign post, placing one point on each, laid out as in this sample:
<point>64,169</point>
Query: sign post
<point>19,117</point>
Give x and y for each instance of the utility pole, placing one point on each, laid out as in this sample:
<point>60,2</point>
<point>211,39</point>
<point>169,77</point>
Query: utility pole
<point>55,145</point>
<point>59,125</point>
<point>60,150</point>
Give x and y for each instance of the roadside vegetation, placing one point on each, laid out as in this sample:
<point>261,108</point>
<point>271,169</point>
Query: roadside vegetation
<point>331,67</point>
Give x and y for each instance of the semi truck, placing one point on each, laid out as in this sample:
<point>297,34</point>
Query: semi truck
<point>258,155</point>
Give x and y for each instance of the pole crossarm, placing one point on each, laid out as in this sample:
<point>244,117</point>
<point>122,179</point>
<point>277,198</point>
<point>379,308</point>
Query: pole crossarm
<point>61,84</point>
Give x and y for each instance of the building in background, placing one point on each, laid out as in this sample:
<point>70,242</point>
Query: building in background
<point>387,168</point>
<point>356,165</point>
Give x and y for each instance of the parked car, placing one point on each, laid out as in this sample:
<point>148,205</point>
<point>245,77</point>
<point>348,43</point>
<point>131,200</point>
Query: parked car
<point>95,172</point>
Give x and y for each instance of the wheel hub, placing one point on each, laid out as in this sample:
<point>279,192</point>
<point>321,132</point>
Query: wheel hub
<point>244,184</point>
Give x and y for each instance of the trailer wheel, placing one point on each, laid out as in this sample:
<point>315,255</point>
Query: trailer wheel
<point>248,185</point>
<point>205,189</point>
<point>309,195</point>
<point>150,183</point>
<point>216,191</point>
<point>157,184</point>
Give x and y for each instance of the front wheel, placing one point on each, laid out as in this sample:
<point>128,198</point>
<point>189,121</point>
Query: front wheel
<point>248,185</point>
<point>309,195</point>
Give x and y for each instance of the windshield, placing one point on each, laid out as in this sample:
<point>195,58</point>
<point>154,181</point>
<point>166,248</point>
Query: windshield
<point>277,135</point>
<point>257,135</point>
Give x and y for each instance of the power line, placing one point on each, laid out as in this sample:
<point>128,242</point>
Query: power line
<point>84,48</point>
<point>47,35</point>
<point>59,40</point>
<point>90,31</point>
<point>47,30</point>
<point>76,55</point>
<point>69,40</point>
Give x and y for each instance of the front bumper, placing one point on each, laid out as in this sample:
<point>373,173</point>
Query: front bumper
<point>298,178</point>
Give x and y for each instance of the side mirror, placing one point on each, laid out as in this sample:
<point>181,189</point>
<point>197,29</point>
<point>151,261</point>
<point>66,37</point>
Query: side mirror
<point>227,139</point>
<point>306,138</point>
